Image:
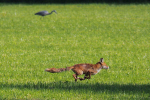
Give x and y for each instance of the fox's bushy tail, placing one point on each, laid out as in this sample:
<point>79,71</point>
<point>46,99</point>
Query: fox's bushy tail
<point>58,70</point>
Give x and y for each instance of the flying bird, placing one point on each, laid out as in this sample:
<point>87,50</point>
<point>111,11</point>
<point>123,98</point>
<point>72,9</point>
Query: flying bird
<point>44,13</point>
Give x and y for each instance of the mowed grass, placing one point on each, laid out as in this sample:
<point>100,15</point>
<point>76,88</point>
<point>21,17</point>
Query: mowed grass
<point>79,33</point>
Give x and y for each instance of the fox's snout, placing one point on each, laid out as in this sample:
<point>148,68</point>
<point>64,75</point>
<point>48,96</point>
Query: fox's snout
<point>105,67</point>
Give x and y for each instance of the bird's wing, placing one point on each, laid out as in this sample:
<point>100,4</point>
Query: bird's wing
<point>42,12</point>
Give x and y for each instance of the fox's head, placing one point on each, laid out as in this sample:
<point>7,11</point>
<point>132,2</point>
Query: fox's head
<point>103,64</point>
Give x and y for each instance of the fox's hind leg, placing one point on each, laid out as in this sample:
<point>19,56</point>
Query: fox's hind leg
<point>75,77</point>
<point>78,72</point>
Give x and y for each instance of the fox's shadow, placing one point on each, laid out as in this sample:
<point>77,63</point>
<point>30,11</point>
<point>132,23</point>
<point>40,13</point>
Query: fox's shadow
<point>77,86</point>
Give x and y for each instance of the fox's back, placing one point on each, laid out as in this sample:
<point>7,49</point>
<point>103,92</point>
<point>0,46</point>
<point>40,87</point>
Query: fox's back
<point>83,67</point>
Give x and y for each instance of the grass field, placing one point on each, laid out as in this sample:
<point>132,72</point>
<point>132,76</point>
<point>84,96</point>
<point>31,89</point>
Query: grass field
<point>79,33</point>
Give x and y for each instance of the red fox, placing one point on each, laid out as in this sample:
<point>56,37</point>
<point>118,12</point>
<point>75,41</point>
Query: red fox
<point>79,69</point>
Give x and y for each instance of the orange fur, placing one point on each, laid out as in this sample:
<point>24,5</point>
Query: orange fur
<point>79,69</point>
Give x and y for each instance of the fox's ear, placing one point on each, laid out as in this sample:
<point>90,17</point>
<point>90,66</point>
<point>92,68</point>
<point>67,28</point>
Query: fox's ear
<point>101,60</point>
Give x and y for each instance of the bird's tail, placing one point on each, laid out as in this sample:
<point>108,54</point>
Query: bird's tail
<point>58,70</point>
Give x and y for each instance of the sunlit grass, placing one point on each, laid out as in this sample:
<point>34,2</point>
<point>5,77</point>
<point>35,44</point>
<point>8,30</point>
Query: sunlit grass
<point>79,33</point>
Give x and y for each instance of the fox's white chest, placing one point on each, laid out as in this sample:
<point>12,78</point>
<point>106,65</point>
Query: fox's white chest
<point>98,70</point>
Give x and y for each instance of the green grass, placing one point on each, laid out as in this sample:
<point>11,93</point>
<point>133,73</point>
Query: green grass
<point>79,33</point>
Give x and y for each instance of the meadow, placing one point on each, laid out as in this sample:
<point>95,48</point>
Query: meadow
<point>79,33</point>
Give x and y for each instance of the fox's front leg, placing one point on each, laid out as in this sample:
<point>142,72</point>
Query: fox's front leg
<point>87,74</point>
<point>82,79</point>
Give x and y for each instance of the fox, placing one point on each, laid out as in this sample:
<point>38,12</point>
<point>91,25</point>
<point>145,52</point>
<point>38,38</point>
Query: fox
<point>79,69</point>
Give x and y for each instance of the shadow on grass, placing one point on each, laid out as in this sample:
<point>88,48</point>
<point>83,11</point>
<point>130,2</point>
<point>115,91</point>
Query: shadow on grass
<point>135,88</point>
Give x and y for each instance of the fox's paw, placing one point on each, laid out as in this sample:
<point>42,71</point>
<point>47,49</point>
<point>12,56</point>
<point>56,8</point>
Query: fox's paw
<point>81,79</point>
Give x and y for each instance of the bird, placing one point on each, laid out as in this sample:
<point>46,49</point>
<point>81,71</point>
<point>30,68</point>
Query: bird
<point>44,13</point>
